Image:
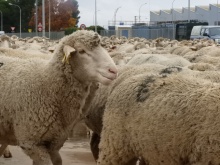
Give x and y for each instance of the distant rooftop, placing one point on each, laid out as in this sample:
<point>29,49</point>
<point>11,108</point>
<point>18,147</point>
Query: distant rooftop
<point>180,10</point>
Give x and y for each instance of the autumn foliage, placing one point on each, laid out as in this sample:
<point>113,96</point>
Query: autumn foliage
<point>61,15</point>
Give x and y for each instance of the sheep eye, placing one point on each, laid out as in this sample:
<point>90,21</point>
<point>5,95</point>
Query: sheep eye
<point>81,51</point>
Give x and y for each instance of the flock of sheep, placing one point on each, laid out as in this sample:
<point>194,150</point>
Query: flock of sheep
<point>151,102</point>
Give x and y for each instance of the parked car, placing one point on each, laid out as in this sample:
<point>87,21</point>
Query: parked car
<point>211,32</point>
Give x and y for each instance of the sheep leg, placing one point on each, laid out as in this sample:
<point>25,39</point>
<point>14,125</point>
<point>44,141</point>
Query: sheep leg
<point>55,158</point>
<point>39,154</point>
<point>7,153</point>
<point>110,154</point>
<point>94,145</point>
<point>2,149</point>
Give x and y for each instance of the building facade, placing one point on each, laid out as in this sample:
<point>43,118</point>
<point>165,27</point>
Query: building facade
<point>210,14</point>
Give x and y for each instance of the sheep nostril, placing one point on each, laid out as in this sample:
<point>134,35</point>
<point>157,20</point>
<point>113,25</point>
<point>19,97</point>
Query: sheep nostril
<point>113,71</point>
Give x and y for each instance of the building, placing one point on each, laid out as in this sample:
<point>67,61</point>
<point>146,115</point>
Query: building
<point>210,14</point>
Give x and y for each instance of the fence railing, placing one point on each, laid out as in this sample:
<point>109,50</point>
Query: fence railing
<point>53,35</point>
<point>142,33</point>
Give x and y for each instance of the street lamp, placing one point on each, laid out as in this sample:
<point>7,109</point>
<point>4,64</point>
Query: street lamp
<point>1,21</point>
<point>43,18</point>
<point>20,16</point>
<point>188,10</point>
<point>140,11</point>
<point>93,17</point>
<point>36,17</point>
<point>217,12</point>
<point>173,20</point>
<point>49,19</point>
<point>115,15</point>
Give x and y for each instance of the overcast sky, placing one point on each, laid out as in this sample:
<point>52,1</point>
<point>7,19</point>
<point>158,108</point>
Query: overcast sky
<point>129,9</point>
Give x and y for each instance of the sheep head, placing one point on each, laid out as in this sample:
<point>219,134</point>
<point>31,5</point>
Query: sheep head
<point>88,59</point>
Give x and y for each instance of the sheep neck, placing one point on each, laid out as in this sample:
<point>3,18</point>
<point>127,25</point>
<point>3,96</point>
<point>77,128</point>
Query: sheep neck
<point>70,90</point>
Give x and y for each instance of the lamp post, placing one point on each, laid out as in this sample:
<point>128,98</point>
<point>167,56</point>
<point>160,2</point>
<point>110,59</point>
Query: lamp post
<point>217,12</point>
<point>173,21</point>
<point>140,11</point>
<point>115,14</point>
<point>188,10</point>
<point>49,19</point>
<point>95,17</point>
<point>1,21</point>
<point>43,18</point>
<point>20,15</point>
<point>36,16</point>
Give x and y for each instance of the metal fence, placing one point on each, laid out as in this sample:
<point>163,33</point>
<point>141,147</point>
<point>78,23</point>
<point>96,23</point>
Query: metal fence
<point>142,33</point>
<point>53,35</point>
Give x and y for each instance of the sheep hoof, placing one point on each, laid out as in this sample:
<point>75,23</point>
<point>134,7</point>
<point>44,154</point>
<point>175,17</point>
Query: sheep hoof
<point>8,155</point>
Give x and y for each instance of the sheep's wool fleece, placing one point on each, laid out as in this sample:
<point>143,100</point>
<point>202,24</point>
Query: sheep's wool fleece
<point>40,100</point>
<point>169,120</point>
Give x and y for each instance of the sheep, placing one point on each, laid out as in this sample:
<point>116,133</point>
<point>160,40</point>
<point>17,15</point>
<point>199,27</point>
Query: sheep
<point>202,67</point>
<point>170,120</point>
<point>41,100</point>
<point>94,115</point>
<point>23,54</point>
<point>166,59</point>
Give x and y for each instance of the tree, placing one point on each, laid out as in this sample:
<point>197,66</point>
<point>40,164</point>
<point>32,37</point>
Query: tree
<point>99,28</point>
<point>60,14</point>
<point>11,14</point>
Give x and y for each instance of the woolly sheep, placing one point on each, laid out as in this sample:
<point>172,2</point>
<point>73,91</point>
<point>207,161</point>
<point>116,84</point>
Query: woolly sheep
<point>168,60</point>
<point>23,54</point>
<point>169,120</point>
<point>41,100</point>
<point>94,115</point>
<point>202,67</point>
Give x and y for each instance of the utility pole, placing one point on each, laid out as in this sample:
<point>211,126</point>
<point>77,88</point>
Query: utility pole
<point>135,20</point>
<point>115,15</point>
<point>43,17</point>
<point>49,18</point>
<point>95,17</point>
<point>36,17</point>
<point>188,10</point>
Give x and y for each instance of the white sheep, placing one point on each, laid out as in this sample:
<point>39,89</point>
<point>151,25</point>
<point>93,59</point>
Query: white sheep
<point>23,54</point>
<point>41,100</point>
<point>166,59</point>
<point>94,115</point>
<point>166,119</point>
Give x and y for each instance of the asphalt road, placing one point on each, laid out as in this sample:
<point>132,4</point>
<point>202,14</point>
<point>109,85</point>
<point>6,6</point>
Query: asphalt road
<point>75,152</point>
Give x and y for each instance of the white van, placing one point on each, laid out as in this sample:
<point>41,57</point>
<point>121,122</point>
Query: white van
<point>211,32</point>
<point>2,32</point>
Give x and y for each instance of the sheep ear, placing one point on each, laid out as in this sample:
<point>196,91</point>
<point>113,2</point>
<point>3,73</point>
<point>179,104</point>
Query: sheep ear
<point>68,51</point>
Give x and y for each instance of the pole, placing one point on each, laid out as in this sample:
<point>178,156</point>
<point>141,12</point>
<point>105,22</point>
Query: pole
<point>95,17</point>
<point>188,10</point>
<point>49,19</point>
<point>43,18</point>
<point>115,15</point>
<point>217,12</point>
<point>135,20</point>
<point>173,21</point>
<point>36,16</point>
<point>1,21</point>
<point>20,16</point>
<point>20,21</point>
<point>140,11</point>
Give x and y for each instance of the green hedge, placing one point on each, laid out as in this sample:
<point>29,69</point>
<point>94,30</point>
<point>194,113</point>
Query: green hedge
<point>71,30</point>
